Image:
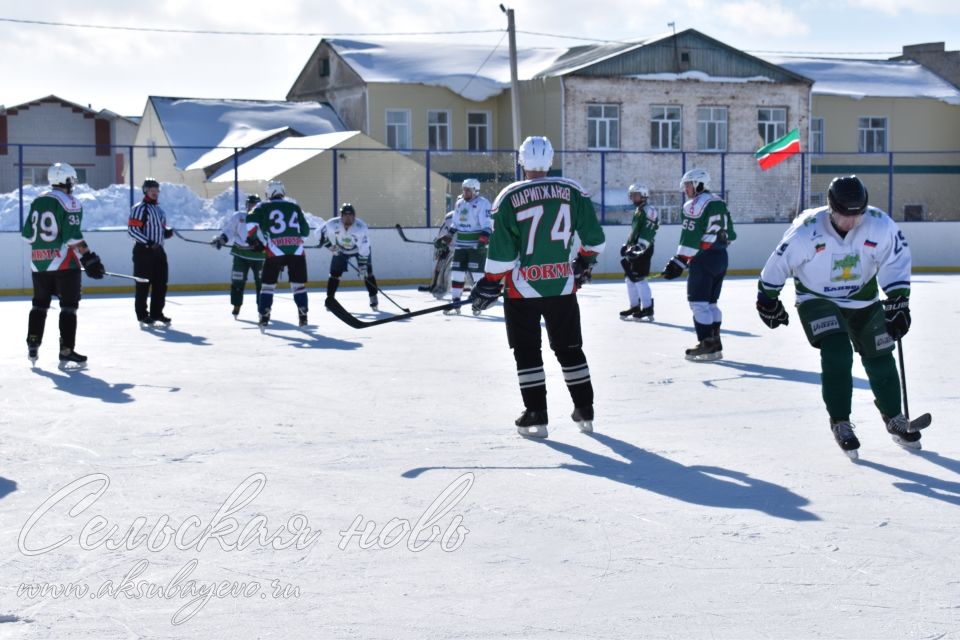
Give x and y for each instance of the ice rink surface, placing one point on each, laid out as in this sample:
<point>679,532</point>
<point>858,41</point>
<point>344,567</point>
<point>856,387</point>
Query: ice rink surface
<point>204,481</point>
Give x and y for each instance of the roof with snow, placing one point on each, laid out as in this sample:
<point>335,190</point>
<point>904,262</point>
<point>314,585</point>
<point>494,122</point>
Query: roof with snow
<point>204,124</point>
<point>870,78</point>
<point>76,108</point>
<point>267,163</point>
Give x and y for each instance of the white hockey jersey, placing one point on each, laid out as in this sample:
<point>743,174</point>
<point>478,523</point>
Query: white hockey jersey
<point>470,219</point>
<point>847,271</point>
<point>354,241</point>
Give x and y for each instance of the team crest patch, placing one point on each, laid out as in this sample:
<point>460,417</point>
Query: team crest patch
<point>845,268</point>
<point>824,324</point>
<point>883,341</point>
<point>820,247</point>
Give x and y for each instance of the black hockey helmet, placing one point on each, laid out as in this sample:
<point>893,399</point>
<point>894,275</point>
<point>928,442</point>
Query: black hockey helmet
<point>847,196</point>
<point>347,208</point>
<point>148,184</point>
<point>253,199</point>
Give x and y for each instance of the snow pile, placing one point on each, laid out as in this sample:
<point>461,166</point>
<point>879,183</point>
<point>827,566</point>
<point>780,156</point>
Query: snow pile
<point>109,208</point>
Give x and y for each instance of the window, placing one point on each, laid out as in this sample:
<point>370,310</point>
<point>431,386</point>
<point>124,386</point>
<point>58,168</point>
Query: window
<point>398,128</point>
<point>438,130</point>
<point>816,136</point>
<point>35,175</point>
<point>81,176</point>
<point>668,205</point>
<point>151,148</point>
<point>665,128</point>
<point>772,124</point>
<point>478,130</point>
<point>323,67</point>
<point>711,128</point>
<point>603,126</point>
<point>816,200</point>
<point>873,135</point>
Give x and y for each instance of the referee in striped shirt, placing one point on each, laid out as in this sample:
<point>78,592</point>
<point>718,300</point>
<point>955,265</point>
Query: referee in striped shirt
<point>148,227</point>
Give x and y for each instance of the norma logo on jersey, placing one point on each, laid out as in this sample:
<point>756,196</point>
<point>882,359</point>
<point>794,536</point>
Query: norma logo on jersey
<point>824,324</point>
<point>845,267</point>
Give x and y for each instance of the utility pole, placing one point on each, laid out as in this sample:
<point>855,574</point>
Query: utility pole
<point>676,52</point>
<point>514,82</point>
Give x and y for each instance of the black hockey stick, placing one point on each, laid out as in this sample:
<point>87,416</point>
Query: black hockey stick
<point>209,244</point>
<point>406,239</point>
<point>377,287</point>
<point>923,421</point>
<point>337,309</point>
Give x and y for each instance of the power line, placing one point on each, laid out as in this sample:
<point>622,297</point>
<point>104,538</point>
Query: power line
<point>214,32</point>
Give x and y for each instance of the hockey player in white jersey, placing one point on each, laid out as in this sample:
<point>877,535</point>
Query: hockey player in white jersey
<point>347,237</point>
<point>840,256</point>
<point>470,232</point>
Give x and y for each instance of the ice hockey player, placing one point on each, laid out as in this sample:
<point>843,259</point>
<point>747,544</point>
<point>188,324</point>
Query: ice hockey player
<point>637,253</point>
<point>706,230</point>
<point>147,226</point>
<point>57,251</point>
<point>277,227</point>
<point>839,256</point>
<point>470,231</point>
<point>532,243</point>
<point>348,237</point>
<point>245,259</point>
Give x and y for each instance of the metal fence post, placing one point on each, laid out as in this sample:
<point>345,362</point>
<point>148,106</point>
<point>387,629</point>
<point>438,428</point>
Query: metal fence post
<point>428,187</point>
<point>236,179</point>
<point>723,175</point>
<point>890,183</point>
<point>20,174</point>
<point>333,180</point>
<point>603,187</point>
<point>131,176</point>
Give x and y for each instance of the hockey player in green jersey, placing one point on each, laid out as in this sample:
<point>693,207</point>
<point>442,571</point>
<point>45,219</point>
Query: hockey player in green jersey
<point>244,259</point>
<point>636,254</point>
<point>57,251</point>
<point>278,227</point>
<point>840,257</point>
<point>534,222</point>
<point>706,230</point>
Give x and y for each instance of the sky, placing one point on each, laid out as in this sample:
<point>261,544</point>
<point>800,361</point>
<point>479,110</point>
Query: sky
<point>118,69</point>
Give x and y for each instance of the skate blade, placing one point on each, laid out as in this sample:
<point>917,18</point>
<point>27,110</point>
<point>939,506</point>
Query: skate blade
<point>706,357</point>
<point>909,446</point>
<point>72,366</point>
<point>262,327</point>
<point>585,426</point>
<point>853,454</point>
<point>534,431</point>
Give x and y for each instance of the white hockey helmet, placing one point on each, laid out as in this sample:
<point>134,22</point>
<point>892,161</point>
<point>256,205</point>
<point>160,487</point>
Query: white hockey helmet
<point>640,188</point>
<point>536,154</point>
<point>275,189</point>
<point>61,174</point>
<point>472,184</point>
<point>699,177</point>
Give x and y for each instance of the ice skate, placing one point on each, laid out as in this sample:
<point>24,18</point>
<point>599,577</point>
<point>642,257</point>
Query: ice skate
<point>455,311</point>
<point>264,321</point>
<point>900,430</point>
<point>374,304</point>
<point>145,323</point>
<point>645,313</point>
<point>843,434</point>
<point>70,360</point>
<point>627,314</point>
<point>236,311</point>
<point>707,350</point>
<point>33,352</point>
<point>583,416</point>
<point>302,317</point>
<point>161,321</point>
<point>532,424</point>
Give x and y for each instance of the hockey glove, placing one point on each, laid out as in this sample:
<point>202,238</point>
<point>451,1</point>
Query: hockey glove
<point>771,311</point>
<point>167,233</point>
<point>674,268</point>
<point>897,314</point>
<point>484,239</point>
<point>640,248</point>
<point>92,265</point>
<point>219,241</point>
<point>364,264</point>
<point>255,244</point>
<point>624,249</point>
<point>583,269</point>
<point>485,293</point>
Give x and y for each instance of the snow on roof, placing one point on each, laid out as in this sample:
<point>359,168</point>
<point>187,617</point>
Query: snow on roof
<point>472,71</point>
<point>239,138</point>
<point>206,123</point>
<point>870,78</point>
<point>699,76</point>
<point>269,162</point>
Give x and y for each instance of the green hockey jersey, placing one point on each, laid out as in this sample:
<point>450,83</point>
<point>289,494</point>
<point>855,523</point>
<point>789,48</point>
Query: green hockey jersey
<point>53,229</point>
<point>706,220</point>
<point>534,223</point>
<point>280,225</point>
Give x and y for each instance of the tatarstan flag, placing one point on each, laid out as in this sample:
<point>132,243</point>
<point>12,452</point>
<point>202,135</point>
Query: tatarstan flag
<point>779,150</point>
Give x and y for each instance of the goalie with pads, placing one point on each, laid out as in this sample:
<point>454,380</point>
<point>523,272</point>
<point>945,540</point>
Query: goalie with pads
<point>531,245</point>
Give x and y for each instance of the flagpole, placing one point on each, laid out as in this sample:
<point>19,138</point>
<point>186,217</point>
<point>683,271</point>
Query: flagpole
<point>800,186</point>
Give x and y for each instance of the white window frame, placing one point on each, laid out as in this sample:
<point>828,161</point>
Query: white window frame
<point>816,136</point>
<point>488,126</point>
<point>445,127</point>
<point>773,128</point>
<point>400,126</point>
<point>872,134</point>
<point>673,127</point>
<point>713,122</point>
<point>603,127</point>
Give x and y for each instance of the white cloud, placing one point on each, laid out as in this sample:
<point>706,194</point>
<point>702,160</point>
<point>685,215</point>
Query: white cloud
<point>898,7</point>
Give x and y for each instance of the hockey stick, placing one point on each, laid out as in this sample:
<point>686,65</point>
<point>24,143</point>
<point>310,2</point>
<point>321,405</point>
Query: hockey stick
<point>406,239</point>
<point>377,287</point>
<point>123,275</point>
<point>209,244</point>
<point>342,314</point>
<point>923,421</point>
